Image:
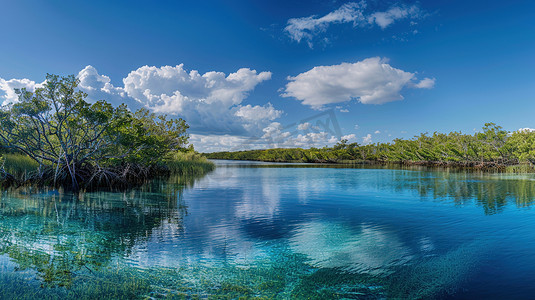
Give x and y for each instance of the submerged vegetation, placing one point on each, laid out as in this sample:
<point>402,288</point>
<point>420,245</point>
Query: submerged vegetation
<point>53,244</point>
<point>493,148</point>
<point>56,138</point>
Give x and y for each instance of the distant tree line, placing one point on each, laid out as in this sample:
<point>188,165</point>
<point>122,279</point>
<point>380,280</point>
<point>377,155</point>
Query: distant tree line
<point>493,145</point>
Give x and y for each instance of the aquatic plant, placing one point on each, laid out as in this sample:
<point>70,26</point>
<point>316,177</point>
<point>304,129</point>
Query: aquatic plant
<point>432,277</point>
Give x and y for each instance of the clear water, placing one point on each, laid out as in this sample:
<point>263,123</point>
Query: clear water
<point>282,231</point>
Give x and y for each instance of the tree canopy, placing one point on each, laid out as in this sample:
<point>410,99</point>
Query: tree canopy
<point>492,145</point>
<point>81,142</point>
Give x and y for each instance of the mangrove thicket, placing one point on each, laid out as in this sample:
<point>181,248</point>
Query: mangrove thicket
<point>77,144</point>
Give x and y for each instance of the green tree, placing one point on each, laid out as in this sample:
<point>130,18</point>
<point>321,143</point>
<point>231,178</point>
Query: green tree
<point>72,139</point>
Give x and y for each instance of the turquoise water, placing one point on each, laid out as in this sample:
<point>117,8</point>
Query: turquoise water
<point>276,231</point>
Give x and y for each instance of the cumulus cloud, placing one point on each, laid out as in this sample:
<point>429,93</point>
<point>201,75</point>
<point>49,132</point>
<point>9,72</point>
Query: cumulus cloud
<point>211,103</point>
<point>256,117</point>
<point>306,28</point>
<point>212,143</point>
<point>173,88</point>
<point>308,135</point>
<point>377,132</point>
<point>274,136</point>
<point>370,81</point>
<point>99,87</point>
<point>249,112</point>
<point>7,89</point>
<point>367,139</point>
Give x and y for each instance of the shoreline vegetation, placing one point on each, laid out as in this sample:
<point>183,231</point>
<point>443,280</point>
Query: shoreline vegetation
<point>493,149</point>
<point>53,137</point>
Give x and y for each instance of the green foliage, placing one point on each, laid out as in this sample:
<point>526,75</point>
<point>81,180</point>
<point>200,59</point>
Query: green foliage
<point>492,146</point>
<point>188,162</point>
<point>521,144</point>
<point>76,142</point>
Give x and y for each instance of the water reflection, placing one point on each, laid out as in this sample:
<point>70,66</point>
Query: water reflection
<point>491,191</point>
<point>61,234</point>
<point>366,250</point>
<point>274,232</point>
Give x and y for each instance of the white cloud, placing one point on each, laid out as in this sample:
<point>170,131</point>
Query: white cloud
<point>306,28</point>
<point>394,13</point>
<point>357,126</point>
<point>426,83</point>
<point>370,81</point>
<point>342,109</point>
<point>257,117</point>
<point>213,143</point>
<point>527,129</point>
<point>377,132</point>
<point>7,87</point>
<point>303,126</point>
<point>350,137</point>
<point>367,139</point>
<point>99,87</point>
<point>211,103</point>
<point>249,112</point>
<point>173,88</point>
<point>275,135</point>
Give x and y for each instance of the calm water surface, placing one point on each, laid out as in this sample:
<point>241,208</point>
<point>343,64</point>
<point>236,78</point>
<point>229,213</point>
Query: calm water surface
<point>283,231</point>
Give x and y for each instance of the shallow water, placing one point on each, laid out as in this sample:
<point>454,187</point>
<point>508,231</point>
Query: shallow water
<point>276,231</point>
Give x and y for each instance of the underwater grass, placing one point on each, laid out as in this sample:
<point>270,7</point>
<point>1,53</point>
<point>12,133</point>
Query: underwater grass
<point>98,286</point>
<point>285,276</point>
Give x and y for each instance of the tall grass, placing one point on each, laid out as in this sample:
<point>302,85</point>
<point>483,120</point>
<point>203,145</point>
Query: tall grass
<point>188,163</point>
<point>17,165</point>
<point>520,168</point>
<point>17,169</point>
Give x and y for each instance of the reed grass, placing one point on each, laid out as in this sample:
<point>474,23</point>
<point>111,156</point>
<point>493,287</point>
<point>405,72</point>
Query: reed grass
<point>520,168</point>
<point>17,165</point>
<point>188,163</point>
<point>18,169</point>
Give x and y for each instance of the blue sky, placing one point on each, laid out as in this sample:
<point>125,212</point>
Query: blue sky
<point>253,74</point>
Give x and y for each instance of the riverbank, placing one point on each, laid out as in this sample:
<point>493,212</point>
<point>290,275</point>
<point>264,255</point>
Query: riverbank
<point>498,167</point>
<point>18,170</point>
